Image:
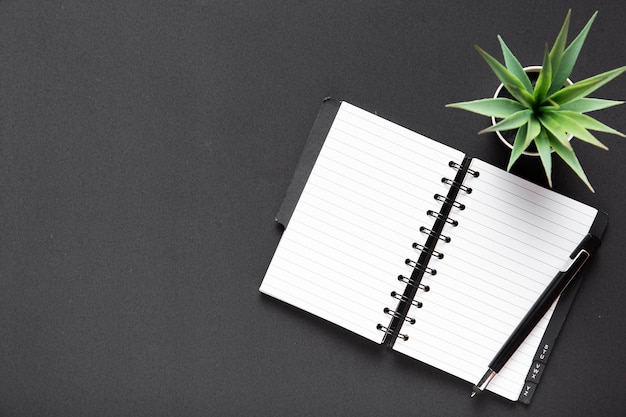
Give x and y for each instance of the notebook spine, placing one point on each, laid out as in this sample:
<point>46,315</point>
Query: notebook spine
<point>427,250</point>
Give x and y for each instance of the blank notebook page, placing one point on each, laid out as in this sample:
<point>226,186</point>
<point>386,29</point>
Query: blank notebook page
<point>511,240</point>
<point>356,220</point>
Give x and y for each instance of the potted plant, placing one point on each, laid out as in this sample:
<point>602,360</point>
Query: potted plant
<point>548,112</point>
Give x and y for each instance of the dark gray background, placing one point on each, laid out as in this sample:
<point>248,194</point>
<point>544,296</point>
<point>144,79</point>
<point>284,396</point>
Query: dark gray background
<point>145,147</point>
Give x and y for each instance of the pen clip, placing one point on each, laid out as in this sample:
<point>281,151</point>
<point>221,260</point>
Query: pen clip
<point>577,263</point>
<point>582,252</point>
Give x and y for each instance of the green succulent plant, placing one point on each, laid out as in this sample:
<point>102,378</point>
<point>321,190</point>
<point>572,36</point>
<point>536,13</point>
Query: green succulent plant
<point>547,112</point>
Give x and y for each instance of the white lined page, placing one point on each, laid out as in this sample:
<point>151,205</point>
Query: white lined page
<point>512,239</point>
<point>355,222</point>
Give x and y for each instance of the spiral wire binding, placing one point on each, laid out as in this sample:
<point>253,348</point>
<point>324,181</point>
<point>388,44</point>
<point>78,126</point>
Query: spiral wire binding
<point>431,232</point>
<point>407,281</point>
<point>424,249</point>
<point>462,187</point>
<point>393,313</point>
<point>388,331</point>
<point>404,298</point>
<point>420,267</point>
<point>446,200</point>
<point>458,166</point>
<point>428,250</point>
<point>438,215</point>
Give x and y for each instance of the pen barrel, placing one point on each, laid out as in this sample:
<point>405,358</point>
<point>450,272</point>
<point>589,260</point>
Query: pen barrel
<point>537,311</point>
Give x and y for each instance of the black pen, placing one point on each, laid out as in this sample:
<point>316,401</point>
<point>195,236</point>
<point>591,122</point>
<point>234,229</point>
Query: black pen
<point>538,310</point>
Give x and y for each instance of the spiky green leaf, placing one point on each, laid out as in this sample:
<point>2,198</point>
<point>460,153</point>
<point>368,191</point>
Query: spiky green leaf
<point>545,78</point>
<point>512,122</point>
<point>518,146</point>
<point>534,129</point>
<point>555,129</point>
<point>521,95</point>
<point>550,107</point>
<point>583,87</point>
<point>506,77</point>
<point>545,154</point>
<point>496,107</point>
<point>556,54</point>
<point>574,128</point>
<point>513,65</point>
<point>585,105</point>
<point>570,159</point>
<point>590,123</point>
<point>570,55</point>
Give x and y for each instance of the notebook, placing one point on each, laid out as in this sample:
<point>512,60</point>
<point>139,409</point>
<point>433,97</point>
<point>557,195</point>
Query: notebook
<point>410,243</point>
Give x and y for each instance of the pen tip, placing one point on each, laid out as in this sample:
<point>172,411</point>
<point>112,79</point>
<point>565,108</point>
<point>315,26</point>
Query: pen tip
<point>473,394</point>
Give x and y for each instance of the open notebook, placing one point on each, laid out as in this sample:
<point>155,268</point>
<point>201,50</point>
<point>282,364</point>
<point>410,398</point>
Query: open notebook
<point>406,241</point>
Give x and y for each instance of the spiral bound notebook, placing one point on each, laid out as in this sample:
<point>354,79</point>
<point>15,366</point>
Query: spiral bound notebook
<point>408,242</point>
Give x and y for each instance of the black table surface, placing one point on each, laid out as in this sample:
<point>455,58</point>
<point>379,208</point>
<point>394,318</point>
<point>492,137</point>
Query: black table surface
<point>145,148</point>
